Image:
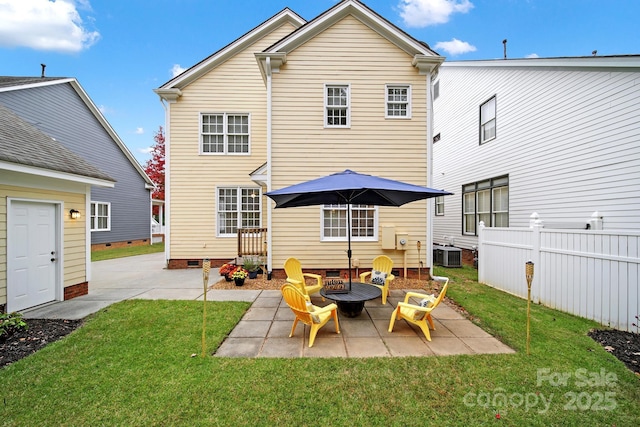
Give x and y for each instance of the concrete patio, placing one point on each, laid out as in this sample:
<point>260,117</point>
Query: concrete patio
<point>264,332</point>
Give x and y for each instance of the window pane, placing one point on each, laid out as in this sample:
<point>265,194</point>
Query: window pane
<point>335,221</point>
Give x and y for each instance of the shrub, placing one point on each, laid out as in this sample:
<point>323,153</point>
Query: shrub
<point>11,323</point>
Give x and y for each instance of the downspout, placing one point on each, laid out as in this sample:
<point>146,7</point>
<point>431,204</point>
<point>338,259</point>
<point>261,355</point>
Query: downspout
<point>167,186</point>
<point>430,205</point>
<point>269,206</point>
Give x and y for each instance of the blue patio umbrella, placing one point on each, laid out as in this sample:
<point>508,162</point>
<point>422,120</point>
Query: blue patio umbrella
<point>349,187</point>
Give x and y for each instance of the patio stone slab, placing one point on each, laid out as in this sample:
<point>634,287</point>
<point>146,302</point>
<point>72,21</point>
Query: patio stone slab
<point>448,347</point>
<point>281,329</point>
<point>240,347</point>
<point>282,347</point>
<point>260,313</point>
<point>324,346</point>
<point>487,346</point>
<point>366,347</point>
<point>250,329</point>
<point>407,346</point>
<point>266,302</point>
<point>357,328</point>
<point>232,295</point>
<point>464,328</point>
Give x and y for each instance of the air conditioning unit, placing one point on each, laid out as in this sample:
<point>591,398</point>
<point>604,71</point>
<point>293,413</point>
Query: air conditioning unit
<point>447,256</point>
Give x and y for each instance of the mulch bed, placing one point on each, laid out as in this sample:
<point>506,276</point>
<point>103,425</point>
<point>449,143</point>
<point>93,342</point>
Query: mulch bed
<point>40,332</point>
<point>623,345</point>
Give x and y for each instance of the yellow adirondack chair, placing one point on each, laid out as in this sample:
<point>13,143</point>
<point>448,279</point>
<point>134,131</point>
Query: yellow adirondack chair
<point>380,274</point>
<point>296,277</point>
<point>305,312</point>
<point>417,314</point>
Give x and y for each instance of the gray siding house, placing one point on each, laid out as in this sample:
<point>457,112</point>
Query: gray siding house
<point>61,109</point>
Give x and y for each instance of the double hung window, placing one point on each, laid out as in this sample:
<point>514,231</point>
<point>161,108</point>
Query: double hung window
<point>238,207</point>
<point>398,101</point>
<point>486,201</point>
<point>488,120</point>
<point>337,106</point>
<point>364,219</point>
<point>100,216</point>
<point>225,133</point>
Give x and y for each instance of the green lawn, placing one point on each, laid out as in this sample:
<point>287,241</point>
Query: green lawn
<point>127,251</point>
<point>131,364</point>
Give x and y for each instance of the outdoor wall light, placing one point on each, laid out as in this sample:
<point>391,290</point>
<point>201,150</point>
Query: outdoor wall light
<point>75,214</point>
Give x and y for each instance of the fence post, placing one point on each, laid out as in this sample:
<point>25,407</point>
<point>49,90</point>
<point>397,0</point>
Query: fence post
<point>481,259</point>
<point>536,224</point>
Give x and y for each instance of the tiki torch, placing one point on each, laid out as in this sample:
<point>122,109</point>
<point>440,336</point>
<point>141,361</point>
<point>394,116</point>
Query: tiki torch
<point>206,267</point>
<point>529,275</point>
<point>419,259</point>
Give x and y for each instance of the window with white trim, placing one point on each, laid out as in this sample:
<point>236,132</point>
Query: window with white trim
<point>364,222</point>
<point>238,207</point>
<point>436,90</point>
<point>439,205</point>
<point>100,216</point>
<point>225,133</point>
<point>488,120</point>
<point>486,201</point>
<point>337,106</point>
<point>398,101</point>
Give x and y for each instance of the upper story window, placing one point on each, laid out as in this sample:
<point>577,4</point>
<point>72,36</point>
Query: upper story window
<point>488,120</point>
<point>439,205</point>
<point>486,201</point>
<point>225,133</point>
<point>337,106</point>
<point>100,216</point>
<point>436,90</point>
<point>398,101</point>
<point>238,207</point>
<point>364,222</point>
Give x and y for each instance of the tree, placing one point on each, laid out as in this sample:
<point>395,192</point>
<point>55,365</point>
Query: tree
<point>155,166</point>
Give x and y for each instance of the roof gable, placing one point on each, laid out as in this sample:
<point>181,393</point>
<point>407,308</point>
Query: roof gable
<point>227,52</point>
<point>425,59</point>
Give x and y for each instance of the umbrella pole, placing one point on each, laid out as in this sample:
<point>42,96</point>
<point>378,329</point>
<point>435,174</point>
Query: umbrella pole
<point>349,240</point>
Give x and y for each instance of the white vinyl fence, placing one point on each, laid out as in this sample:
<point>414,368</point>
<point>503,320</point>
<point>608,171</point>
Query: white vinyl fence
<point>590,273</point>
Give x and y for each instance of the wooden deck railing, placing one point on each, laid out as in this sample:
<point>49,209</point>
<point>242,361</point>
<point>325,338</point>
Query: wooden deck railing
<point>252,241</point>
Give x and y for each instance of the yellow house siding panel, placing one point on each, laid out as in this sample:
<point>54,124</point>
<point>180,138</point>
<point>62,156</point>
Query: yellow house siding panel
<point>347,53</point>
<point>74,245</point>
<point>235,86</point>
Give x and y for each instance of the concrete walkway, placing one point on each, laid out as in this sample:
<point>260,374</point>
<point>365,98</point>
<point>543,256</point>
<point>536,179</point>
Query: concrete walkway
<point>264,329</point>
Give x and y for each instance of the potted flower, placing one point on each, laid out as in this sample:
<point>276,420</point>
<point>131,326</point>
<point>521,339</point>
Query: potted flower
<point>252,265</point>
<point>239,275</point>
<point>226,270</point>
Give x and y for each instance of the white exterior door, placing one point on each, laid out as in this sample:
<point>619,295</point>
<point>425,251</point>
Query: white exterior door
<point>32,256</point>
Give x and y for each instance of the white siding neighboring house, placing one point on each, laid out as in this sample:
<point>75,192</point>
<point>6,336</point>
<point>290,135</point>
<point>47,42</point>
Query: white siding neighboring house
<point>556,136</point>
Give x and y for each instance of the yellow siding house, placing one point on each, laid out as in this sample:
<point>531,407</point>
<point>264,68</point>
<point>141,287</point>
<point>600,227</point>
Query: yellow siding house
<point>292,101</point>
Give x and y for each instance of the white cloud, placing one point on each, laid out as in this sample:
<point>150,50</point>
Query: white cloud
<point>45,25</point>
<point>177,70</point>
<point>423,13</point>
<point>455,47</point>
<point>139,131</point>
<point>532,55</point>
<point>145,150</point>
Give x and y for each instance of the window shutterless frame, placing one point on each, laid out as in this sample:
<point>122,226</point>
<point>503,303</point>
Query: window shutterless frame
<point>487,201</point>
<point>337,105</point>
<point>397,101</point>
<point>488,120</point>
<point>100,216</point>
<point>225,133</point>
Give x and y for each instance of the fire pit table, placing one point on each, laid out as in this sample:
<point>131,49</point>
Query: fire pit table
<point>350,304</point>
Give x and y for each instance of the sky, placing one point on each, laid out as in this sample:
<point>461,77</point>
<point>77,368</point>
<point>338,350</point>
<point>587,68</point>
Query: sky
<point>120,50</point>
